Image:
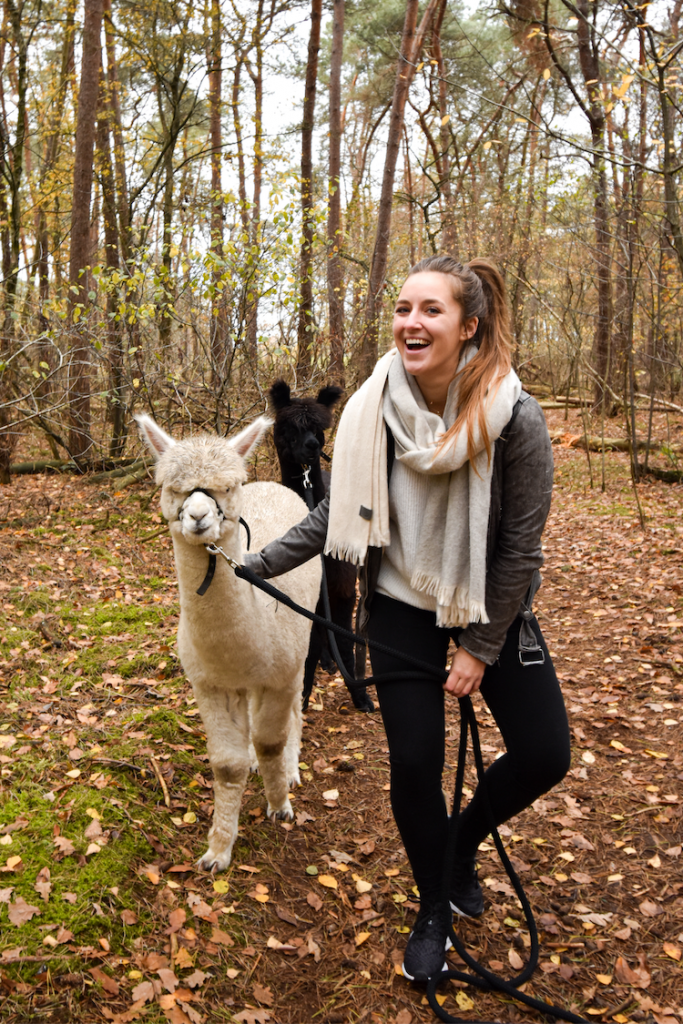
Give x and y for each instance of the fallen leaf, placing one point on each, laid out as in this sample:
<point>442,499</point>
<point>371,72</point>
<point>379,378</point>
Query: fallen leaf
<point>650,909</point>
<point>624,934</point>
<point>302,817</point>
<point>64,935</point>
<point>177,918</point>
<point>143,992</point>
<point>263,995</point>
<point>328,881</point>
<point>252,1017</point>
<point>582,877</point>
<point>464,1001</point>
<point>314,900</point>
<point>638,977</point>
<point>515,959</point>
<point>331,794</point>
<point>196,979</point>
<point>673,951</point>
<point>403,1017</point>
<point>129,917</point>
<point>43,884</point>
<point>20,911</point>
<point>109,984</point>
<point>64,845</point>
<point>168,979</point>
<point>221,938</point>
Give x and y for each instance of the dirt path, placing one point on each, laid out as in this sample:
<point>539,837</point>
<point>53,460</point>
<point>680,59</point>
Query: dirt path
<point>106,793</point>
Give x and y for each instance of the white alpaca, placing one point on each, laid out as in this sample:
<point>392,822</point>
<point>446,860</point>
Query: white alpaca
<point>242,651</point>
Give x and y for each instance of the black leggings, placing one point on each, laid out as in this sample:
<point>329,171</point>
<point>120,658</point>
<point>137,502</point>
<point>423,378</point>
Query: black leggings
<point>526,703</point>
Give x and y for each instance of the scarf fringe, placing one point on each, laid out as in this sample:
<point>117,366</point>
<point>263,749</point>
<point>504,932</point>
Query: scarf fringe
<point>455,607</point>
<point>346,552</point>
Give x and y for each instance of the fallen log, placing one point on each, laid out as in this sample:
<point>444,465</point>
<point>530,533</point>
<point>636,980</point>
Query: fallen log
<point>617,444</point>
<point>111,474</point>
<point>40,466</point>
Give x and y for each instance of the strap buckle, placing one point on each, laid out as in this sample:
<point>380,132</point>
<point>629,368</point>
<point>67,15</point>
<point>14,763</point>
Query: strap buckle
<point>531,656</point>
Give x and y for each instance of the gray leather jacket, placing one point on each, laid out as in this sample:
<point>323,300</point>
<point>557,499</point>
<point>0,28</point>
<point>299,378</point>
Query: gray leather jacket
<point>521,489</point>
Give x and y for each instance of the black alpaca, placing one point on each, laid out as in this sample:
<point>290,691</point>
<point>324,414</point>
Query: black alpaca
<point>299,435</point>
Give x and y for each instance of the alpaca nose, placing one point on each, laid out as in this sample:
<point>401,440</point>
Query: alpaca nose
<point>311,446</point>
<point>197,516</point>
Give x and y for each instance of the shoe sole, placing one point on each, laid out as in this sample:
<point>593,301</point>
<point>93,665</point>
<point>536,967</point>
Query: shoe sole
<point>413,977</point>
<point>463,913</point>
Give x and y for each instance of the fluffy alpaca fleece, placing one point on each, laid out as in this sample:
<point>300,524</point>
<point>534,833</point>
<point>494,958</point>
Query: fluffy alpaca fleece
<point>243,653</point>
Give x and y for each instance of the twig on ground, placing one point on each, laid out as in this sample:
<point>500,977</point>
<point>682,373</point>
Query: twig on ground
<point>161,780</point>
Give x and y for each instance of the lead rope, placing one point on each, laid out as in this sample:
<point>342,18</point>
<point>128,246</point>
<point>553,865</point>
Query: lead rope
<point>482,978</point>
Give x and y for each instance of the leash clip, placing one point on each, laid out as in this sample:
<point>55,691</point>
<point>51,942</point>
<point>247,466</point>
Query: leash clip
<point>213,549</point>
<point>307,478</point>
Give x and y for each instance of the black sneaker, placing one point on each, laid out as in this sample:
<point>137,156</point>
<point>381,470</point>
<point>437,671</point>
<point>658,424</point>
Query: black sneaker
<point>465,895</point>
<point>427,943</point>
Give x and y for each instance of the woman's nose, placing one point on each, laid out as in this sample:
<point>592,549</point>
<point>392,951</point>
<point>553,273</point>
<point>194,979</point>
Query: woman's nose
<point>413,321</point>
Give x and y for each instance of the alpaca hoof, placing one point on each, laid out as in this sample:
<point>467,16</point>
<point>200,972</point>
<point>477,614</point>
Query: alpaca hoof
<point>294,780</point>
<point>284,813</point>
<point>361,700</point>
<point>304,702</point>
<point>213,862</point>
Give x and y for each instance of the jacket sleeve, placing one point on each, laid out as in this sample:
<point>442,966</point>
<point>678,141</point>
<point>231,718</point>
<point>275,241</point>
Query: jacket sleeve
<point>301,543</point>
<point>527,483</point>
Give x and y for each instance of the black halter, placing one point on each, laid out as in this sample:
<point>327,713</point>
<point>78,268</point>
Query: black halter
<point>211,568</point>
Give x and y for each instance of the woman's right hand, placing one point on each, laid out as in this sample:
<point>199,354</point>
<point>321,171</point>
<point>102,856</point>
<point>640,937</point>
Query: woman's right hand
<point>465,675</point>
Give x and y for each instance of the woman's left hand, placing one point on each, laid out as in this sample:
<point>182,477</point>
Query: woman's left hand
<point>465,675</point>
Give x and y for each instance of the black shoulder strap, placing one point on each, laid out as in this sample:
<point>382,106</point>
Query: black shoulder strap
<point>508,426</point>
<point>391,452</point>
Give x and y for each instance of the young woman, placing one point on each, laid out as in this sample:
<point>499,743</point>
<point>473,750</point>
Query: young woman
<point>441,486</point>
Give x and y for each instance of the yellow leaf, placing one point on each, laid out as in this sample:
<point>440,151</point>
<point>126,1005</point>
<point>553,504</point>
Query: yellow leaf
<point>362,937</point>
<point>464,1001</point>
<point>73,774</point>
<point>614,878</point>
<point>398,897</point>
<point>617,745</point>
<point>392,872</point>
<point>361,884</point>
<point>6,841</point>
<point>12,862</point>
<point>566,855</point>
<point>620,1018</point>
<point>487,145</point>
<point>655,862</point>
<point>328,881</point>
<point>136,382</point>
<point>546,74</point>
<point>189,817</point>
<point>560,876</point>
<point>673,951</point>
<point>445,120</point>
<point>93,813</point>
<point>604,979</point>
<point>556,959</point>
<point>221,885</point>
<point>420,66</point>
<point>655,753</point>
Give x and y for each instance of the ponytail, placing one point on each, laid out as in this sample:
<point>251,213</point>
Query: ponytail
<point>479,289</point>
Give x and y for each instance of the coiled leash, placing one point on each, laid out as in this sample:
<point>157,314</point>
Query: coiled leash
<point>481,977</point>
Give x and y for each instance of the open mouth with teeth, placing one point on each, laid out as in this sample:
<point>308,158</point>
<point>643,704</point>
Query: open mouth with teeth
<point>415,344</point>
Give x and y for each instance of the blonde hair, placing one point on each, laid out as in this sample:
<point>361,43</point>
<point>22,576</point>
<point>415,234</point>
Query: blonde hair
<point>479,289</point>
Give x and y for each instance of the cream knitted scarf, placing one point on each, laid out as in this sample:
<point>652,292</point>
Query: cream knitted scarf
<point>451,560</point>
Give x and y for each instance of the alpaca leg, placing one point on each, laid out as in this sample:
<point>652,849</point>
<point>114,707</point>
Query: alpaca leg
<point>271,727</point>
<point>225,716</point>
<point>342,614</point>
<point>314,648</point>
<point>293,746</point>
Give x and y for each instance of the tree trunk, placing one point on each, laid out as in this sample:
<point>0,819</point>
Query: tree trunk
<point>255,224</point>
<point>13,168</point>
<point>79,365</point>
<point>411,44</point>
<point>335,274</point>
<point>306,325</point>
<point>123,200</point>
<point>49,159</point>
<point>218,327</point>
<point>105,168</point>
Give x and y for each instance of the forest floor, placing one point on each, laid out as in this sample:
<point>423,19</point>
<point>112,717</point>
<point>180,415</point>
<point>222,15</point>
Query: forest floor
<point>106,792</point>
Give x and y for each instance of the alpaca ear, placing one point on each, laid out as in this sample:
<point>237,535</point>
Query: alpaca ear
<point>280,395</point>
<point>156,439</point>
<point>329,395</point>
<point>247,439</point>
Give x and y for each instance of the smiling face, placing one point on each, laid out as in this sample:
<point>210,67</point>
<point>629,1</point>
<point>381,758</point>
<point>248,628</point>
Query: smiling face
<point>429,329</point>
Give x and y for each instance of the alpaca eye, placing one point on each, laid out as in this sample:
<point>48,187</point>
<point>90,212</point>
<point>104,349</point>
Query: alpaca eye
<point>227,490</point>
